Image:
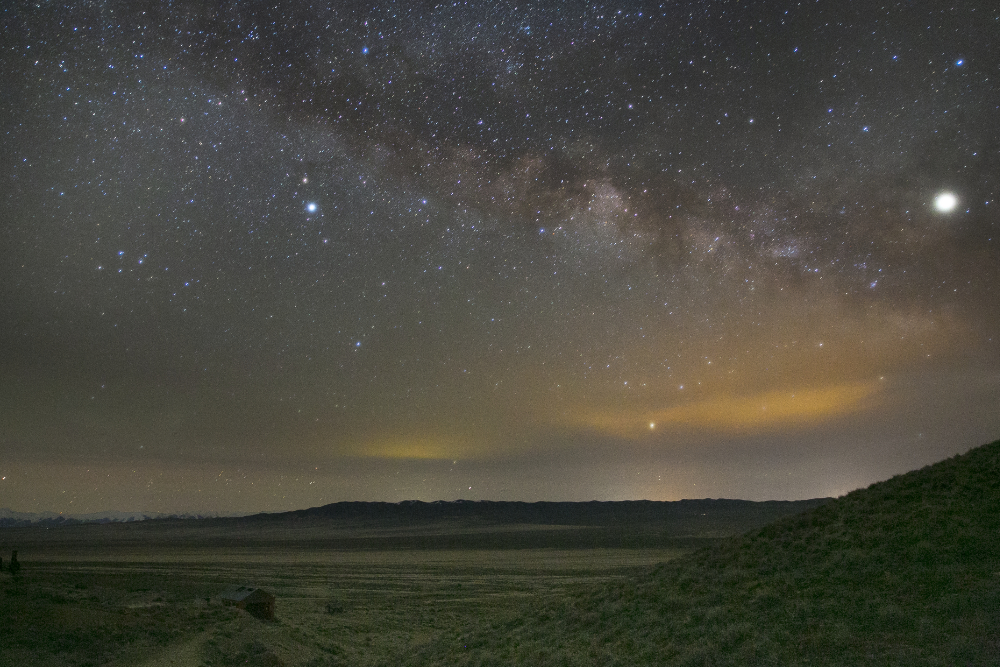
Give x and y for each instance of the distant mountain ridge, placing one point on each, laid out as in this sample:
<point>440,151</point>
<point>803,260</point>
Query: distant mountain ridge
<point>12,519</point>
<point>705,517</point>
<point>462,524</point>
<point>588,513</point>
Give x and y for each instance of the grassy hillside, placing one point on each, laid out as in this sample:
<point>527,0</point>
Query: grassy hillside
<point>904,572</point>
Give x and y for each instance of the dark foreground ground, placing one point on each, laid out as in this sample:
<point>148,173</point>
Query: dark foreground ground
<point>356,583</point>
<point>333,608</point>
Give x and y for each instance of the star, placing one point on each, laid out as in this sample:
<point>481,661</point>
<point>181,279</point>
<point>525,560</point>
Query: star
<point>945,202</point>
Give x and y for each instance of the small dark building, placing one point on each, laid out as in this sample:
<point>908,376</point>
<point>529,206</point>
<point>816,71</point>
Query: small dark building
<point>255,601</point>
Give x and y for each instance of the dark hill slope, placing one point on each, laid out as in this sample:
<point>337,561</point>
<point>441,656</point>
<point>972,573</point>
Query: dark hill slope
<point>905,572</point>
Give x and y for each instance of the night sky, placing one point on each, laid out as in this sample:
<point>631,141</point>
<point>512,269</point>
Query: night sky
<point>265,256</point>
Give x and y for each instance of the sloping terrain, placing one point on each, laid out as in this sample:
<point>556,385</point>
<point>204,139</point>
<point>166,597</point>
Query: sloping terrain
<point>904,572</point>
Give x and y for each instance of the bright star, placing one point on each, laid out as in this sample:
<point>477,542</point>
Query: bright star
<point>311,207</point>
<point>945,202</point>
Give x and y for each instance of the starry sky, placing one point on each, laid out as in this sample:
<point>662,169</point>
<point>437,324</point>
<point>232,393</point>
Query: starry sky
<point>265,256</point>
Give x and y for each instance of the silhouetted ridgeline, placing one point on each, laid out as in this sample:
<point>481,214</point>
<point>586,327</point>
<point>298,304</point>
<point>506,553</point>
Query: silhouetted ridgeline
<point>415,512</point>
<point>439,525</point>
<point>593,513</point>
<point>904,572</point>
<point>521,525</point>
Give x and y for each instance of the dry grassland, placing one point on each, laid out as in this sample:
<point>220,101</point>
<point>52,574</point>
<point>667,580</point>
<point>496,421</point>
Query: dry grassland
<point>333,607</point>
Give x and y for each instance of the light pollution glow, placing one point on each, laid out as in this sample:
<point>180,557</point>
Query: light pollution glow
<point>736,415</point>
<point>751,415</point>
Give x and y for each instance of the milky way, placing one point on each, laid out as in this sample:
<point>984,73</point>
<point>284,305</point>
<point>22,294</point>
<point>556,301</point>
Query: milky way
<point>265,257</point>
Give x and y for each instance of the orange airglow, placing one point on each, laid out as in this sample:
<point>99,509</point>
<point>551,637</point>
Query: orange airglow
<point>768,411</point>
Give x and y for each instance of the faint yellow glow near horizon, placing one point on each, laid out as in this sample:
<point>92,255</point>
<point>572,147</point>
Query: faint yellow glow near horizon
<point>768,411</point>
<point>408,447</point>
